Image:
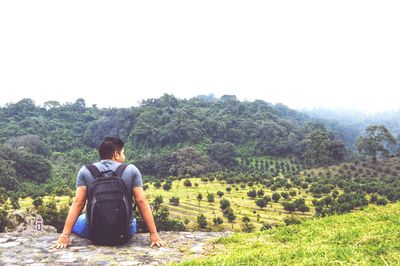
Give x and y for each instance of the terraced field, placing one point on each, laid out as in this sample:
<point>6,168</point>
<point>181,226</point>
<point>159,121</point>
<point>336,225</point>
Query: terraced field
<point>190,207</point>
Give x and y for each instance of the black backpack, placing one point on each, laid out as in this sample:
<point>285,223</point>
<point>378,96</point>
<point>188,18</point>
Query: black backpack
<point>109,208</point>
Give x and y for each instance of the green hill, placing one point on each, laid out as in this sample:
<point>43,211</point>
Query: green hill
<point>368,237</point>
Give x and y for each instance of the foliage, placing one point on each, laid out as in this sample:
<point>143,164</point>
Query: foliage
<point>247,227</point>
<point>375,142</point>
<point>162,220</point>
<point>202,221</point>
<point>52,215</point>
<point>174,201</point>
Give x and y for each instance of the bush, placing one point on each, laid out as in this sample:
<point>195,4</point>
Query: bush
<point>53,216</point>
<point>224,204</point>
<point>174,201</point>
<point>381,201</point>
<point>292,220</point>
<point>217,221</point>
<point>167,186</point>
<point>245,219</point>
<point>157,184</point>
<point>252,193</point>
<point>265,226</point>
<point>248,227</point>
<point>157,202</point>
<point>276,197</point>
<point>162,220</point>
<point>210,197</point>
<point>187,183</point>
<point>202,221</point>
<point>3,217</point>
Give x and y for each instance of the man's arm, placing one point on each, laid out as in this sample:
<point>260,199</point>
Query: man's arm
<point>74,211</point>
<point>147,215</point>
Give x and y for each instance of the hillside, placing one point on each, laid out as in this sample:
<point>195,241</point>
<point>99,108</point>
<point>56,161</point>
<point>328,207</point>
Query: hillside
<point>164,137</point>
<point>368,237</point>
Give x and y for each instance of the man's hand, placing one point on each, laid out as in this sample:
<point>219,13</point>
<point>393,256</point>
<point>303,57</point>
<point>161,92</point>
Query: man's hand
<point>62,242</point>
<point>155,240</point>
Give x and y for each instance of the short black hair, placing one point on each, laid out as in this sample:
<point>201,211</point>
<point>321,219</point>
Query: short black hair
<point>109,146</point>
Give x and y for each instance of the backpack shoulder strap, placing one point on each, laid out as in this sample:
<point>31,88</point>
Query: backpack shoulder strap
<point>120,169</point>
<point>93,170</point>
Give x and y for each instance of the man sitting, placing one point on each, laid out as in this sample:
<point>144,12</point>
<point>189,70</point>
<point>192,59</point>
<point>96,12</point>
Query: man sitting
<point>111,151</point>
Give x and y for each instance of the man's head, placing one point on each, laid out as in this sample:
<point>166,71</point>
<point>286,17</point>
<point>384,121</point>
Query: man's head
<point>112,148</point>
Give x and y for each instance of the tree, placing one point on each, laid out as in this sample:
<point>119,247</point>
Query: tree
<point>265,226</point>
<point>157,202</point>
<point>210,197</point>
<point>187,183</point>
<point>381,201</point>
<point>157,184</point>
<point>262,203</point>
<point>14,199</point>
<point>199,197</point>
<point>217,221</point>
<point>33,167</point>
<point>3,219</point>
<point>189,161</point>
<point>248,227</point>
<point>3,196</point>
<point>38,201</point>
<point>276,197</point>
<point>303,208</point>
<point>289,206</point>
<point>316,152</point>
<point>167,186</point>
<point>260,193</point>
<point>8,175</point>
<point>224,153</point>
<point>202,221</point>
<point>252,193</point>
<point>220,193</point>
<point>224,204</point>
<point>245,219</point>
<point>174,201</point>
<point>375,142</point>
<point>229,214</point>
<point>31,143</point>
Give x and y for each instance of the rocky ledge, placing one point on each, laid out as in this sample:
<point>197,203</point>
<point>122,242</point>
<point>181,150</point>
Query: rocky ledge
<point>34,248</point>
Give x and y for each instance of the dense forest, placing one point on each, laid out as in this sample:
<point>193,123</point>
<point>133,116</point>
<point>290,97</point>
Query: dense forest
<point>165,136</point>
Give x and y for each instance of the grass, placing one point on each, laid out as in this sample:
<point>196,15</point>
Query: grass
<point>367,237</point>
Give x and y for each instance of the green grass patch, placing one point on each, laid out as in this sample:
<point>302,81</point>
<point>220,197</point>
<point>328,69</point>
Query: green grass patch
<point>367,237</point>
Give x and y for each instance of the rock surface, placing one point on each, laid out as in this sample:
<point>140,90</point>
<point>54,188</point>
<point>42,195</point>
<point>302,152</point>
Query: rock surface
<point>34,248</point>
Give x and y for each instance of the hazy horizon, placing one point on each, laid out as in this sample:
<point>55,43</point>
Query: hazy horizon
<point>341,110</point>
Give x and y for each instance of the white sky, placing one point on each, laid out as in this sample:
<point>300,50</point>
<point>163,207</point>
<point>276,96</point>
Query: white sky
<point>115,53</point>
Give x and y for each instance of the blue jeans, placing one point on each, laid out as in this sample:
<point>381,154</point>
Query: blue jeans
<point>81,228</point>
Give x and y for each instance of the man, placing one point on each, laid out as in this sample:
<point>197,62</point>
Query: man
<point>111,151</point>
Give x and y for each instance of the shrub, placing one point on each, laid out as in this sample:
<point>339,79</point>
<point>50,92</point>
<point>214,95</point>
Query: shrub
<point>292,220</point>
<point>174,201</point>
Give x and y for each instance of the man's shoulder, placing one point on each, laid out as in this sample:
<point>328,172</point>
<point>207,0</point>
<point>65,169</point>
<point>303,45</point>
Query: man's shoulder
<point>132,168</point>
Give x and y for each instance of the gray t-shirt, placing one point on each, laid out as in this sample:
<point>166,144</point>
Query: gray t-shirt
<point>131,176</point>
